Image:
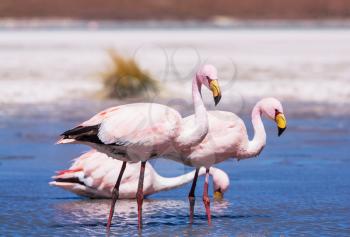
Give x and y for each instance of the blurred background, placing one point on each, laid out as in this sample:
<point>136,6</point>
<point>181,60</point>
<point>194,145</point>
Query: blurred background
<point>173,10</point>
<point>58,52</point>
<point>63,61</point>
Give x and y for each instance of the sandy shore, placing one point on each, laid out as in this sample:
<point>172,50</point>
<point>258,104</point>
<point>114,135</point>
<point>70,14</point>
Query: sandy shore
<point>298,66</point>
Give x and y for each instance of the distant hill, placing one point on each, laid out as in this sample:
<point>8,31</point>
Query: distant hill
<point>175,9</point>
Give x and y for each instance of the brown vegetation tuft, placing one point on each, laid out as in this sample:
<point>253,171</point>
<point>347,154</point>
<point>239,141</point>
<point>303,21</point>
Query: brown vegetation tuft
<point>126,79</point>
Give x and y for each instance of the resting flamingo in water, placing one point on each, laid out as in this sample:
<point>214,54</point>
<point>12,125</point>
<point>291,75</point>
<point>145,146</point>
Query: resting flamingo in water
<point>227,138</point>
<point>93,175</point>
<point>141,131</point>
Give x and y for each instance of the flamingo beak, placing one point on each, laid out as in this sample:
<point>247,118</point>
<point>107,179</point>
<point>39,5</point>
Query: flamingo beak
<point>215,88</point>
<point>218,195</point>
<point>281,123</point>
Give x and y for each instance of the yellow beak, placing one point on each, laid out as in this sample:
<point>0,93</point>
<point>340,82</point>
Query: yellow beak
<point>215,88</point>
<point>218,195</point>
<point>281,123</point>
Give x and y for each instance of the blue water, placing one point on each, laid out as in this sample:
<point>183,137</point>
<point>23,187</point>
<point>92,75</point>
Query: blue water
<point>299,186</point>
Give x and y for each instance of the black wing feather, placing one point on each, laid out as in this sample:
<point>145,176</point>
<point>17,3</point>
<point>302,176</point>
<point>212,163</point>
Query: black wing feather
<point>83,133</point>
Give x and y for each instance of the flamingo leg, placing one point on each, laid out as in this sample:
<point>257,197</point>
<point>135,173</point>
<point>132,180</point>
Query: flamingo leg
<point>206,199</point>
<point>139,194</point>
<point>115,195</point>
<point>191,196</point>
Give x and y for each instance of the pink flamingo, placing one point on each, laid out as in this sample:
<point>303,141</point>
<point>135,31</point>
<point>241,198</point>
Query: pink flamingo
<point>92,175</point>
<point>142,131</point>
<point>227,138</point>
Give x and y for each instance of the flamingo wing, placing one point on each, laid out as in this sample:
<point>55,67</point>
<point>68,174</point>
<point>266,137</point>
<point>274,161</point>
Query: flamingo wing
<point>86,176</point>
<point>142,127</point>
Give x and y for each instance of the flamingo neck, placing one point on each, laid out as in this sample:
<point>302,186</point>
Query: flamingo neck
<point>196,133</point>
<point>164,183</point>
<point>258,142</point>
<point>200,112</point>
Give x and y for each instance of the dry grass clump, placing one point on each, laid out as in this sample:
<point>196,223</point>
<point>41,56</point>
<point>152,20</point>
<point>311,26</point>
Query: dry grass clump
<point>126,79</point>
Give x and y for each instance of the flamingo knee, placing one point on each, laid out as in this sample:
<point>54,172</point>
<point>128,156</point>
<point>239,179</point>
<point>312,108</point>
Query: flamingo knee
<point>191,196</point>
<point>115,196</point>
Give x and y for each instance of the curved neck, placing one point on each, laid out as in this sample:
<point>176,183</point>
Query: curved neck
<point>163,183</point>
<point>191,136</point>
<point>256,145</point>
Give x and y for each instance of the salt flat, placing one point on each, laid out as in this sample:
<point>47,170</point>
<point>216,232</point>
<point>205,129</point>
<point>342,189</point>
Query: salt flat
<point>41,66</point>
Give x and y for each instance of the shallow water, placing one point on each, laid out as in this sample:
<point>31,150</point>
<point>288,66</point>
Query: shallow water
<point>299,186</point>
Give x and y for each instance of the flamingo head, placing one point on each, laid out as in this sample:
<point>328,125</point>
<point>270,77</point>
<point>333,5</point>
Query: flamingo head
<point>272,108</point>
<point>221,182</point>
<point>208,77</point>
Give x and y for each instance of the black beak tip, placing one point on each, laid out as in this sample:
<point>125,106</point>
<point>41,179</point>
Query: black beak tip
<point>217,99</point>
<point>281,130</point>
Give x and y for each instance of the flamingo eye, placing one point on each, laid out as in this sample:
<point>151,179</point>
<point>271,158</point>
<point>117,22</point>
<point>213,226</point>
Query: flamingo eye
<point>208,79</point>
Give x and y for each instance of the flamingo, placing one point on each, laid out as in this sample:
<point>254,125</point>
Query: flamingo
<point>142,131</point>
<point>227,138</point>
<point>92,175</point>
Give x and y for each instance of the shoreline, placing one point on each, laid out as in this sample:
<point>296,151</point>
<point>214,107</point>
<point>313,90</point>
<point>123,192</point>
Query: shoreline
<point>83,108</point>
